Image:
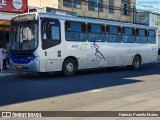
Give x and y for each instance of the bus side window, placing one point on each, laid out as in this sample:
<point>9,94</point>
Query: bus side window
<point>119,30</point>
<point>128,35</point>
<point>151,37</point>
<point>141,36</point>
<point>96,32</point>
<point>75,31</point>
<point>107,29</point>
<point>54,33</point>
<point>115,34</point>
<point>44,34</point>
<point>50,33</point>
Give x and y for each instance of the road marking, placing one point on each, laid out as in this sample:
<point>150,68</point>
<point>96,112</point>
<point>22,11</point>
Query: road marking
<point>96,90</point>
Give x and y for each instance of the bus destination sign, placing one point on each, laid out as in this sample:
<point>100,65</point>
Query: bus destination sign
<point>23,18</point>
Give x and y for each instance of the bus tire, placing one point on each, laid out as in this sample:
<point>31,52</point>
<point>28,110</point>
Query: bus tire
<point>69,67</point>
<point>136,62</point>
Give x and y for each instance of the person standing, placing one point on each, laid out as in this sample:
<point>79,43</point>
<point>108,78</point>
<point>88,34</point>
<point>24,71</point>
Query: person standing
<point>1,56</point>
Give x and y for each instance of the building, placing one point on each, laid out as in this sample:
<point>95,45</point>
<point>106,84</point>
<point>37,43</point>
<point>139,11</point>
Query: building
<point>119,10</point>
<point>154,20</point>
<point>148,12</point>
<point>9,8</point>
<point>43,3</point>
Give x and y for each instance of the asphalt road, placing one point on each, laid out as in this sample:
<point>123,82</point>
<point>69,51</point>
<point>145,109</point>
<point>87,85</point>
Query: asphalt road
<point>118,89</point>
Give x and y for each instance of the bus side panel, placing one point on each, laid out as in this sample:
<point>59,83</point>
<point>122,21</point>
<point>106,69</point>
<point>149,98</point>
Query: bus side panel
<point>153,50</point>
<point>127,53</point>
<point>78,50</point>
<point>152,53</point>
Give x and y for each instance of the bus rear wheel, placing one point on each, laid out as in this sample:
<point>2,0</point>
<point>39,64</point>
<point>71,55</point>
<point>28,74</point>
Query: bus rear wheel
<point>136,62</point>
<point>69,67</point>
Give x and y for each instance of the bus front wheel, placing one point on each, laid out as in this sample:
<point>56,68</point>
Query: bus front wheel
<point>136,62</point>
<point>69,67</point>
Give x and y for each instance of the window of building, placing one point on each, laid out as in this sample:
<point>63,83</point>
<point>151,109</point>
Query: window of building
<point>75,31</point>
<point>128,35</point>
<point>95,5</point>
<point>111,6</point>
<point>50,33</point>
<point>151,37</point>
<point>141,36</point>
<point>96,33</point>
<point>72,3</point>
<point>125,7</point>
<point>114,34</point>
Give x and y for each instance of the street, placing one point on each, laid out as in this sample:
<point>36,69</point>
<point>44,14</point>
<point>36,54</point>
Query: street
<point>117,89</point>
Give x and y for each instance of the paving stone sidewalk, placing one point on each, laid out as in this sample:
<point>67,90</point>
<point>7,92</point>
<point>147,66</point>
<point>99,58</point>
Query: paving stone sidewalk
<point>8,71</point>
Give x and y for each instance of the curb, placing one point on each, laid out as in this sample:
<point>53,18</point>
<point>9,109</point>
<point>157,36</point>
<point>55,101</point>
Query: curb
<point>5,74</point>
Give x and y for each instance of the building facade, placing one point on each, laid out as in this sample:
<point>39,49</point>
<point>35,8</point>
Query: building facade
<point>119,10</point>
<point>43,3</point>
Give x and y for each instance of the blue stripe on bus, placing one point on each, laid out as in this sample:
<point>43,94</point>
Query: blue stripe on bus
<point>22,60</point>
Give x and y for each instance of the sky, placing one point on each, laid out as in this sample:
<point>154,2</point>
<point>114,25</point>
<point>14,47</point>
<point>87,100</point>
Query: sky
<point>148,5</point>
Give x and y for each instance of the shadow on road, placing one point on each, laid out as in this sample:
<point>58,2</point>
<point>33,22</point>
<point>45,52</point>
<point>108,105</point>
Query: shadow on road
<point>16,89</point>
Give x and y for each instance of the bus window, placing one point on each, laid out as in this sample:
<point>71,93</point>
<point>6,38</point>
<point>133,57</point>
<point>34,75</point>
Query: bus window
<point>141,36</point>
<point>128,35</point>
<point>96,33</point>
<point>114,34</point>
<point>50,33</point>
<point>113,30</point>
<point>107,29</point>
<point>75,31</point>
<point>151,37</point>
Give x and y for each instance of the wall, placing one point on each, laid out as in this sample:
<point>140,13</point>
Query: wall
<point>43,3</point>
<point>117,15</point>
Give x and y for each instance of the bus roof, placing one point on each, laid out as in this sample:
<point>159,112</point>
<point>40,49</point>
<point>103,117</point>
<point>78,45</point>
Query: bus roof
<point>91,20</point>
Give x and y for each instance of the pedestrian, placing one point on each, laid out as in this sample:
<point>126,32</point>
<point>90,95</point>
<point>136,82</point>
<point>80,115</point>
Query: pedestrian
<point>1,56</point>
<point>4,58</point>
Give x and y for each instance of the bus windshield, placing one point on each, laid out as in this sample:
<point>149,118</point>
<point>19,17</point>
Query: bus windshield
<point>24,35</point>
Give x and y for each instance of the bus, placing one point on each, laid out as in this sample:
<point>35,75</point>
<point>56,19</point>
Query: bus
<point>45,42</point>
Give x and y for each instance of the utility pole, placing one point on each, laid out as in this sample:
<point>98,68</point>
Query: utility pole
<point>134,12</point>
<point>98,7</point>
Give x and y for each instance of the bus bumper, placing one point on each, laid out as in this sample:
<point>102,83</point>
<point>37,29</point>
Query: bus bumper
<point>33,66</point>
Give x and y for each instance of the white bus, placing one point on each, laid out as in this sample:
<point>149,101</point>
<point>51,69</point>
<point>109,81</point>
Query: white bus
<point>46,42</point>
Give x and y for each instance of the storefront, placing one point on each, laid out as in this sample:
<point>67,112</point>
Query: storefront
<point>8,9</point>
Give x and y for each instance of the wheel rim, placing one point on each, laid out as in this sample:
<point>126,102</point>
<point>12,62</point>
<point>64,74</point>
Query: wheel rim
<point>136,63</point>
<point>70,67</point>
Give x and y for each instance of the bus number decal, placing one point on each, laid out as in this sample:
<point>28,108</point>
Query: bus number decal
<point>74,46</point>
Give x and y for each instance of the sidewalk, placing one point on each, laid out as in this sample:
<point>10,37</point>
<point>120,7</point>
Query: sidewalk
<point>8,71</point>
